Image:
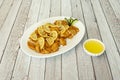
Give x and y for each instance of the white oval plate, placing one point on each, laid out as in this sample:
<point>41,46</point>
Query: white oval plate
<point>70,42</point>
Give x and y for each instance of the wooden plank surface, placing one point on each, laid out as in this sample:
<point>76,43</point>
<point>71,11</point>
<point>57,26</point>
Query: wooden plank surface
<point>111,49</point>
<point>1,1</point>
<point>116,7</point>
<point>10,54</point>
<point>4,10</point>
<point>113,21</point>
<point>101,19</point>
<point>5,30</point>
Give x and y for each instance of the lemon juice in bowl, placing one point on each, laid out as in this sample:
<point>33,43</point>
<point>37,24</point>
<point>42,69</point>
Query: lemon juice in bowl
<point>93,47</point>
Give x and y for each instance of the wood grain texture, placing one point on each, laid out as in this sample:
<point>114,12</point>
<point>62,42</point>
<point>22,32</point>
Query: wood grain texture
<point>111,49</point>
<point>112,20</point>
<point>21,68</point>
<point>85,68</point>
<point>4,10</point>
<point>55,8</point>
<point>66,8</point>
<point>1,1</point>
<point>8,22</point>
<point>116,7</point>
<point>44,10</point>
<point>53,68</point>
<point>119,1</point>
<point>69,66</point>
<point>12,47</point>
<point>37,69</point>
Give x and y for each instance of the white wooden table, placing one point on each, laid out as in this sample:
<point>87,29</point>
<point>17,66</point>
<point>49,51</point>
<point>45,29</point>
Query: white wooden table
<point>101,19</point>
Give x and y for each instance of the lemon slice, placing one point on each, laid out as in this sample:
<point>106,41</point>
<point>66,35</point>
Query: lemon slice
<point>48,24</point>
<point>41,32</point>
<point>46,28</point>
<point>54,34</point>
<point>66,27</point>
<point>63,29</point>
<point>33,36</point>
<point>58,22</point>
<point>41,42</point>
<point>50,40</point>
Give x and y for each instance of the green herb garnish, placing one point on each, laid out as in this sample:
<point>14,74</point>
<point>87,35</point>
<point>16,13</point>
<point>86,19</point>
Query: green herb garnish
<point>70,21</point>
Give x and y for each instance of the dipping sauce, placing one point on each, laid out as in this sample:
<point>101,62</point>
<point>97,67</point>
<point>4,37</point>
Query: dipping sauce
<point>94,46</point>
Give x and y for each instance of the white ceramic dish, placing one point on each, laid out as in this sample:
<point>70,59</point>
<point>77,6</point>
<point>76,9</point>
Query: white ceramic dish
<point>92,54</point>
<point>70,42</point>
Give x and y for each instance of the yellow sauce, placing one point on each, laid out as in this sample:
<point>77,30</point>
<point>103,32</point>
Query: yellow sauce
<point>94,47</point>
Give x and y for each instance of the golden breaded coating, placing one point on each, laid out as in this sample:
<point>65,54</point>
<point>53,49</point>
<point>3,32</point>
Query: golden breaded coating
<point>31,44</point>
<point>55,47</point>
<point>48,37</point>
<point>60,22</point>
<point>63,41</point>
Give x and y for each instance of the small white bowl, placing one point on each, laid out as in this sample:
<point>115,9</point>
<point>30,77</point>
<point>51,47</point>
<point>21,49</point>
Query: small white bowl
<point>90,53</point>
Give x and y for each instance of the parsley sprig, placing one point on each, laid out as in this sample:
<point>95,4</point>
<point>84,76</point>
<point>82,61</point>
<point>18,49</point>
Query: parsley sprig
<point>71,21</point>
